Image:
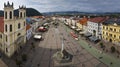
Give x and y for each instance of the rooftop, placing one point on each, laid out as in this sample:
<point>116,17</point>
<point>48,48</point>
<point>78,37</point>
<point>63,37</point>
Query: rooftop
<point>112,21</point>
<point>98,19</point>
<point>28,27</point>
<point>2,24</point>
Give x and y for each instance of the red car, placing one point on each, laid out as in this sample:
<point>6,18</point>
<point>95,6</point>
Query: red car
<point>74,35</point>
<point>42,29</point>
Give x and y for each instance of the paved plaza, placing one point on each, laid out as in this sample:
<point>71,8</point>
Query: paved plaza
<point>42,54</point>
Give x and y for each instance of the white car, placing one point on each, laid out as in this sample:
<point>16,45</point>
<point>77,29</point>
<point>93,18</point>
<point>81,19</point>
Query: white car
<point>38,37</point>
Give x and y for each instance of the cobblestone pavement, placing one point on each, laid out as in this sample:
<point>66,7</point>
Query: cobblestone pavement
<point>41,55</point>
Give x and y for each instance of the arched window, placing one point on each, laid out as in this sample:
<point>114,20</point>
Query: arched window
<point>10,14</point>
<point>5,15</point>
<point>20,14</point>
<point>10,28</point>
<point>6,27</point>
<point>18,25</point>
<point>18,34</point>
<point>24,14</point>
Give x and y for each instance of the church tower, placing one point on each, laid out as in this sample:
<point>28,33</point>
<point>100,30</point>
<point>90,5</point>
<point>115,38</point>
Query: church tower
<point>8,11</point>
<point>22,11</point>
<point>14,29</point>
<point>8,28</point>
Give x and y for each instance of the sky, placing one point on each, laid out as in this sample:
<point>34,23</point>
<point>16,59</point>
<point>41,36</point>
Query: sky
<point>67,5</point>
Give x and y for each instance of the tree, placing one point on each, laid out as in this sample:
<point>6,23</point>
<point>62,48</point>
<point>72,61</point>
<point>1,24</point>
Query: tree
<point>24,57</point>
<point>18,62</point>
<point>101,45</point>
<point>113,49</point>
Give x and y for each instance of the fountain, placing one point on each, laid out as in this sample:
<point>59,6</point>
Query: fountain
<point>62,57</point>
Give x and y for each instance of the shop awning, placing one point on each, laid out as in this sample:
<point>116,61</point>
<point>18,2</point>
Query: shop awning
<point>87,34</point>
<point>93,38</point>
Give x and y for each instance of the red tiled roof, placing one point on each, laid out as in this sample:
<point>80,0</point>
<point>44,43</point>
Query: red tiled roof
<point>2,24</point>
<point>28,27</point>
<point>98,19</point>
<point>83,21</point>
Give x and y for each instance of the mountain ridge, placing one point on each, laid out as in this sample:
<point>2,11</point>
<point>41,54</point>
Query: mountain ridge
<point>29,12</point>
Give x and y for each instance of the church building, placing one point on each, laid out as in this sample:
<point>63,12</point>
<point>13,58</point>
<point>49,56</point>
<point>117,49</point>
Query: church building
<point>12,29</point>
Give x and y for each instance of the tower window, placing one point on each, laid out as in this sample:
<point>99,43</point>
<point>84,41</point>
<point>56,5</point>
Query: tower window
<point>10,28</point>
<point>6,50</point>
<point>10,14</point>
<point>24,14</point>
<point>18,25</point>
<point>21,14</point>
<point>6,27</point>
<point>5,15</point>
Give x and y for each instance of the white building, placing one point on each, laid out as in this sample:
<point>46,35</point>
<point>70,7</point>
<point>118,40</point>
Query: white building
<point>94,26</point>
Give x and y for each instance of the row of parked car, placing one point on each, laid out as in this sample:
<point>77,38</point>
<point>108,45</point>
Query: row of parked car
<point>43,28</point>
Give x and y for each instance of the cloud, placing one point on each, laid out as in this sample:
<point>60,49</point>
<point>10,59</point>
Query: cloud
<point>69,5</point>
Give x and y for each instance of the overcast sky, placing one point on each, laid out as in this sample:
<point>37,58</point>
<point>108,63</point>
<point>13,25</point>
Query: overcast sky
<point>68,5</point>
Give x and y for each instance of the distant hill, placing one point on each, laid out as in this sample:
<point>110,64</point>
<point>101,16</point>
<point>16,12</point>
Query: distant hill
<point>72,13</point>
<point>29,12</point>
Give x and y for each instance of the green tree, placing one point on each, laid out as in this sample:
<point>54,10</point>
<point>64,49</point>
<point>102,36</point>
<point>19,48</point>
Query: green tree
<point>101,45</point>
<point>18,62</point>
<point>24,57</point>
<point>113,49</point>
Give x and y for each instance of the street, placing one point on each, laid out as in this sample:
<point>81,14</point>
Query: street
<point>44,50</point>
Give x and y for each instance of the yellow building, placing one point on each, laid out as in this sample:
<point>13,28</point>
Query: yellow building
<point>82,24</point>
<point>12,30</point>
<point>111,32</point>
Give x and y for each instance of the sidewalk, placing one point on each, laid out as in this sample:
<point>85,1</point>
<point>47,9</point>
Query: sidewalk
<point>107,59</point>
<point>2,64</point>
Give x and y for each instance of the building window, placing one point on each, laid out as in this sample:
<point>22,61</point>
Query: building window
<point>106,33</point>
<point>10,14</point>
<point>18,34</point>
<point>111,29</point>
<point>6,50</point>
<point>103,32</point>
<point>10,28</point>
<point>115,30</point>
<point>111,35</point>
<point>5,15</point>
<point>18,25</point>
<point>6,27</point>
<point>114,36</point>
<point>24,14</point>
<point>106,28</point>
<point>21,14</point>
<point>1,36</point>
